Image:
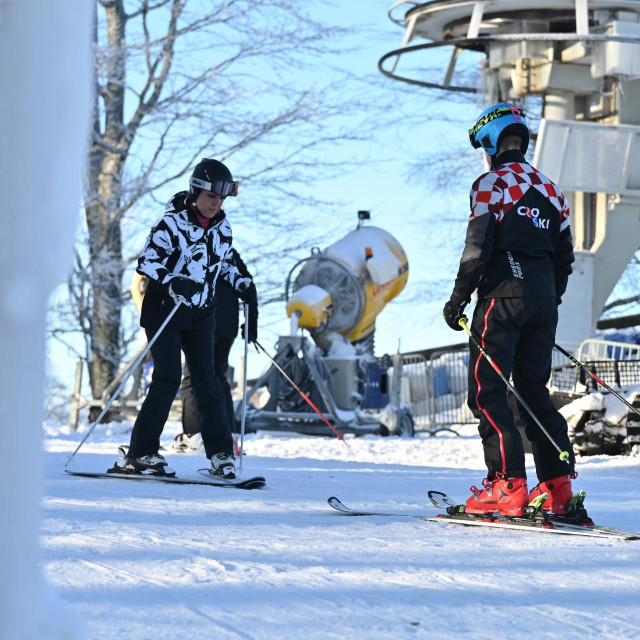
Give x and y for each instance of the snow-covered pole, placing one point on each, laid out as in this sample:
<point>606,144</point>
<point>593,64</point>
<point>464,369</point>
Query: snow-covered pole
<point>39,65</point>
<point>119,389</point>
<point>564,455</point>
<point>396,382</point>
<point>244,385</point>
<point>577,363</point>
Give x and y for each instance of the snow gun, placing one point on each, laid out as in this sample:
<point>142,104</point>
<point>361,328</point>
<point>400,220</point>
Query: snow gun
<point>335,296</point>
<point>339,292</point>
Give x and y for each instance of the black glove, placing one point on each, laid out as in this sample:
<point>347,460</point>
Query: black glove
<point>249,295</point>
<point>252,320</point>
<point>452,313</point>
<point>182,289</point>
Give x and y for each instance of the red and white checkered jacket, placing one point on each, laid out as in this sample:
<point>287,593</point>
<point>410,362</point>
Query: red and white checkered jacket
<point>518,240</point>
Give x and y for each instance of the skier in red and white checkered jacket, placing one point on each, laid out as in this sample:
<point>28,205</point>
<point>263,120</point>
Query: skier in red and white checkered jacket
<point>518,254</point>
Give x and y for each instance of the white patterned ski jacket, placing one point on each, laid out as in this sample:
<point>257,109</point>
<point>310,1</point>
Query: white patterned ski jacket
<point>178,245</point>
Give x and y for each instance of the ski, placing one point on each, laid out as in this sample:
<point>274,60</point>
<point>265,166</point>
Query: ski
<point>248,483</point>
<point>544,520</point>
<point>495,521</point>
<point>342,508</point>
<point>256,482</point>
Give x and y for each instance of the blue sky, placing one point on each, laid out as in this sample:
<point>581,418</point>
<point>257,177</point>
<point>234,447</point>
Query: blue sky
<point>409,208</point>
<point>429,223</point>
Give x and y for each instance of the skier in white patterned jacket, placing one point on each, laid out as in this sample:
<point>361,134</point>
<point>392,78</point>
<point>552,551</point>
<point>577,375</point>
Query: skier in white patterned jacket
<point>185,254</point>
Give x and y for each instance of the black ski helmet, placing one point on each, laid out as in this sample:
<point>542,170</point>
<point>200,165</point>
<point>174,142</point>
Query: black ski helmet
<point>214,176</point>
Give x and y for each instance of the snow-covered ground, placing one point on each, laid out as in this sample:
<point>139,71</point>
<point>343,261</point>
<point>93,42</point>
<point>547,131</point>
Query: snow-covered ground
<point>152,560</point>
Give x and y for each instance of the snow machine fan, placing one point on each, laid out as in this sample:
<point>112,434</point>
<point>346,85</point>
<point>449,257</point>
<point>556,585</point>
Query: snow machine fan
<point>338,292</point>
<point>335,295</point>
<point>346,298</point>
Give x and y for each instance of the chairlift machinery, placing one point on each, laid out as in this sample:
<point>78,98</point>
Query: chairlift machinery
<point>582,58</point>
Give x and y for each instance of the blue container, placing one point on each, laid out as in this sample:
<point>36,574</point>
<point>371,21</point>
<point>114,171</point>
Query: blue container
<point>376,388</point>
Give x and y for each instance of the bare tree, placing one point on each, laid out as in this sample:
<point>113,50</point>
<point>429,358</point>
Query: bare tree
<point>176,80</point>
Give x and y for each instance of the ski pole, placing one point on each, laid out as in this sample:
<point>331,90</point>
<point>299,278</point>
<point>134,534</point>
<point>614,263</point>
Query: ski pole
<point>305,397</point>
<point>584,367</point>
<point>244,384</point>
<point>564,455</point>
<point>119,389</point>
<point>236,449</point>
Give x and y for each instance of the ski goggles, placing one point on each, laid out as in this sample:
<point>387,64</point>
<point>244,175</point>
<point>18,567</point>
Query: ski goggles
<point>513,110</point>
<point>221,188</point>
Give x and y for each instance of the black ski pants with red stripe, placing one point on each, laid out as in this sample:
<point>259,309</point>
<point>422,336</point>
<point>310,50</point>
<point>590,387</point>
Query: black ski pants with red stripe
<point>519,334</point>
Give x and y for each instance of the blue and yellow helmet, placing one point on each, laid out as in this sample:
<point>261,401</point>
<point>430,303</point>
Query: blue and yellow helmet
<point>501,119</point>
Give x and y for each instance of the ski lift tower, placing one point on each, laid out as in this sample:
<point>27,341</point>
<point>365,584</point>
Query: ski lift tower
<point>582,57</point>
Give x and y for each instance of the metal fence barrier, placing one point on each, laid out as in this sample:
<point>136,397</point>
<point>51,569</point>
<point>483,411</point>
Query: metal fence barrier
<point>435,386</point>
<point>573,381</point>
<point>435,389</point>
<point>596,349</point>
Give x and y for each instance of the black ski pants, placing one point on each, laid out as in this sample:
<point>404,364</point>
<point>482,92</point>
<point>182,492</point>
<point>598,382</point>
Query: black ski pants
<point>519,334</point>
<point>167,373</point>
<point>190,412</point>
<point>227,321</point>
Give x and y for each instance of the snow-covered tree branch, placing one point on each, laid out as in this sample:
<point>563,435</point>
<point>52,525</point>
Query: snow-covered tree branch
<point>176,80</point>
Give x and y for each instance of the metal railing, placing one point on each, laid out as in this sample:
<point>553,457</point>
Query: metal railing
<point>435,389</point>
<point>596,349</point>
<point>573,381</point>
<point>435,386</point>
<point>616,363</point>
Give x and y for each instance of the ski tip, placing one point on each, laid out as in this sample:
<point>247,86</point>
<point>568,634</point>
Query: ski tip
<point>337,504</point>
<point>440,500</point>
<point>436,495</point>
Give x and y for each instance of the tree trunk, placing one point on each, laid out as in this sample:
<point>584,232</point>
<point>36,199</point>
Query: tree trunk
<point>103,210</point>
<point>105,246</point>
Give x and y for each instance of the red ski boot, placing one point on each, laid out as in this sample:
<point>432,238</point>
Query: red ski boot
<point>506,496</point>
<point>559,490</point>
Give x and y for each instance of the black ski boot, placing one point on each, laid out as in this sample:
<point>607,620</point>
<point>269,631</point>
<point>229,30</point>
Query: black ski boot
<point>224,465</point>
<point>153,464</point>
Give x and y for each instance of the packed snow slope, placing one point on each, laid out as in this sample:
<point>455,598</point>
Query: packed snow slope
<point>151,560</point>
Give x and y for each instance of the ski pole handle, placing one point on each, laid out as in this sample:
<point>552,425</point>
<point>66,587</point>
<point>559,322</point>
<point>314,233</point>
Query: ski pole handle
<point>564,455</point>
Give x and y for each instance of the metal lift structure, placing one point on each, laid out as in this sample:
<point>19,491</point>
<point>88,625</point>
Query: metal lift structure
<point>582,58</point>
